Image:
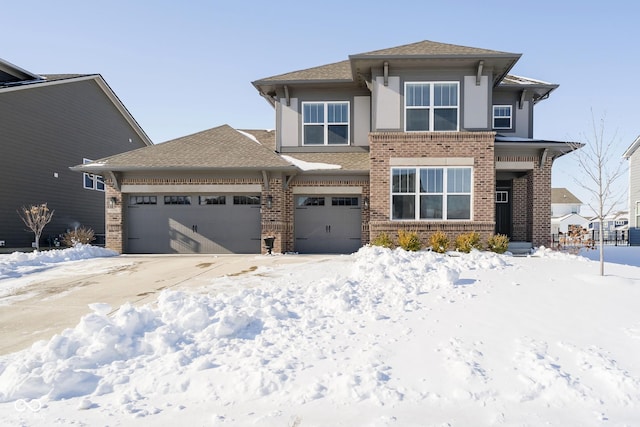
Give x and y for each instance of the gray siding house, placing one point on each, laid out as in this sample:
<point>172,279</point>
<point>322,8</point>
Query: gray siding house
<point>425,137</point>
<point>49,123</point>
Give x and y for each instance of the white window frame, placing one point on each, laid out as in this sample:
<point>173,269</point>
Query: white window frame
<point>417,193</point>
<point>431,107</point>
<point>510,116</point>
<point>325,123</point>
<point>637,214</point>
<point>97,181</point>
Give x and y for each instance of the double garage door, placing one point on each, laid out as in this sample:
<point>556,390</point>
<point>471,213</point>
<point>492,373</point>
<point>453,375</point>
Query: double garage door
<point>327,224</point>
<point>222,223</point>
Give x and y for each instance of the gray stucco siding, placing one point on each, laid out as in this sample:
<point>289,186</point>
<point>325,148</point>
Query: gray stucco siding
<point>43,131</point>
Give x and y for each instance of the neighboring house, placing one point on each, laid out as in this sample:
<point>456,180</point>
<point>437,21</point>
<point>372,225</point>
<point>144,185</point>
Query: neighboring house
<point>615,225</point>
<point>424,137</point>
<point>633,155</point>
<point>562,224</point>
<point>47,124</point>
<point>563,202</point>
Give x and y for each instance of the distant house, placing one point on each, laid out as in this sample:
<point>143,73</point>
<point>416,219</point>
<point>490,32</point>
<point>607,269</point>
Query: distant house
<point>615,226</point>
<point>563,202</point>
<point>633,155</point>
<point>424,137</point>
<point>48,123</point>
<point>563,223</point>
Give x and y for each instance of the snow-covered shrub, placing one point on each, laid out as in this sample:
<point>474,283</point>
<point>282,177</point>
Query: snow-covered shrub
<point>439,242</point>
<point>83,235</point>
<point>383,240</point>
<point>409,240</point>
<point>498,243</point>
<point>467,241</point>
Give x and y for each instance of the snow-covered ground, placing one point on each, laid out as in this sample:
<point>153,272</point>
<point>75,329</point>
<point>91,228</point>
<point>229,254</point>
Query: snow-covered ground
<point>378,338</point>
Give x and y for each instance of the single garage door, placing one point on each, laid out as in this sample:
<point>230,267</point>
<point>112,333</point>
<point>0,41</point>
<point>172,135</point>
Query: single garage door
<point>215,223</point>
<point>328,224</point>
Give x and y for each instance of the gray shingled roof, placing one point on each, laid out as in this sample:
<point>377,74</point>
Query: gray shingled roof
<point>342,71</point>
<point>429,48</point>
<point>219,148</point>
<point>349,162</point>
<point>266,137</point>
<point>562,195</point>
<point>339,71</point>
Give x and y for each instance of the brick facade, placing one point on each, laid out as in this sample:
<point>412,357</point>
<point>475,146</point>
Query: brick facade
<point>433,145</point>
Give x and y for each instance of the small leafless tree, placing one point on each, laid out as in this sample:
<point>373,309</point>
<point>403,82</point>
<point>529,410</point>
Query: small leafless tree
<point>601,168</point>
<point>36,217</point>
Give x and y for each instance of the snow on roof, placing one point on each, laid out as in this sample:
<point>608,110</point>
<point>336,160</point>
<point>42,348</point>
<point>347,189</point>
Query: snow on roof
<point>308,166</point>
<point>248,135</point>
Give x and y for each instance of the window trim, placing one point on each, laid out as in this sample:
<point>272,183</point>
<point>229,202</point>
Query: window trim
<point>432,107</point>
<point>417,193</point>
<point>510,117</point>
<point>326,123</point>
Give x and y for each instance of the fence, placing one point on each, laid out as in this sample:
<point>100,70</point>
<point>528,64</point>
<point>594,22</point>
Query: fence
<point>613,238</point>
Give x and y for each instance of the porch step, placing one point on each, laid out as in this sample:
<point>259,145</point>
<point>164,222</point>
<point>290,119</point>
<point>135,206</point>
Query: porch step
<point>520,248</point>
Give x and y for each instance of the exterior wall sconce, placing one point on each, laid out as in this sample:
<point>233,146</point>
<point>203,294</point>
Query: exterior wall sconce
<point>112,202</point>
<point>365,202</point>
<point>269,201</point>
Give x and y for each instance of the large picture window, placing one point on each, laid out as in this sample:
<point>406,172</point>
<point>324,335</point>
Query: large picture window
<point>431,106</point>
<point>325,123</point>
<point>431,193</point>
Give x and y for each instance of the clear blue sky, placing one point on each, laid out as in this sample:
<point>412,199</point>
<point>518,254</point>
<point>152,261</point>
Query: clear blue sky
<point>182,67</point>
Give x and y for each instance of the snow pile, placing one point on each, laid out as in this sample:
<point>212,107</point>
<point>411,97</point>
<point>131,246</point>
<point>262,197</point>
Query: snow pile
<point>22,262</point>
<point>382,337</point>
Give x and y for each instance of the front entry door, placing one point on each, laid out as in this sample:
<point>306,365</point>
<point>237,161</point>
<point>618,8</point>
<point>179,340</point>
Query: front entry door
<point>503,210</point>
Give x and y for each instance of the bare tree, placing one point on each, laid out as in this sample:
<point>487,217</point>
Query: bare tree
<point>601,168</point>
<point>36,217</point>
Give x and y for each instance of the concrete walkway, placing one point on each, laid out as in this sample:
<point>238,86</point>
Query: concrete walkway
<point>48,306</point>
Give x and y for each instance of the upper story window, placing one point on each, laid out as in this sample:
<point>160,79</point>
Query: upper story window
<point>502,117</point>
<point>431,106</point>
<point>91,181</point>
<point>325,123</point>
<point>431,193</point>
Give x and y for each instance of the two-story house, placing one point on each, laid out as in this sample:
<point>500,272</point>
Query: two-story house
<point>47,123</point>
<point>426,136</point>
<point>633,156</point>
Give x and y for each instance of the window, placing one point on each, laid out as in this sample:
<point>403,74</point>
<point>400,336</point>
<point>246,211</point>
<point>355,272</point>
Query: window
<point>177,200</point>
<point>502,197</point>
<point>143,200</point>
<point>431,193</point>
<point>212,200</point>
<point>91,181</point>
<point>310,201</point>
<point>502,116</point>
<point>246,200</point>
<point>344,201</point>
<point>638,214</point>
<point>325,123</point>
<point>431,106</point>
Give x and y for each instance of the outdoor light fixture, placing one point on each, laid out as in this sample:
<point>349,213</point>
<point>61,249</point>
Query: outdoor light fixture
<point>112,202</point>
<point>365,202</point>
<point>269,201</point>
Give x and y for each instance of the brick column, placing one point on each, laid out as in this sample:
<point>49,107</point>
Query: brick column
<point>114,231</point>
<point>519,209</point>
<point>541,205</point>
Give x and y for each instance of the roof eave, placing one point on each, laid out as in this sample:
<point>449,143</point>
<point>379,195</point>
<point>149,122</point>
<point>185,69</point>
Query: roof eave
<point>632,148</point>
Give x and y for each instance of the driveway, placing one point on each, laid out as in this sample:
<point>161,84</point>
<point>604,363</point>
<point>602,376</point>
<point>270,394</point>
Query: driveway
<point>55,302</point>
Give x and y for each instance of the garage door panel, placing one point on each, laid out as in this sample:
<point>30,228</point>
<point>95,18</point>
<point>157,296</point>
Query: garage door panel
<point>325,224</point>
<point>223,228</point>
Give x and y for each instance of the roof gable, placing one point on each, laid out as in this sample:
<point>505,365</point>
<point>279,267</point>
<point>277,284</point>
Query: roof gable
<point>564,196</point>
